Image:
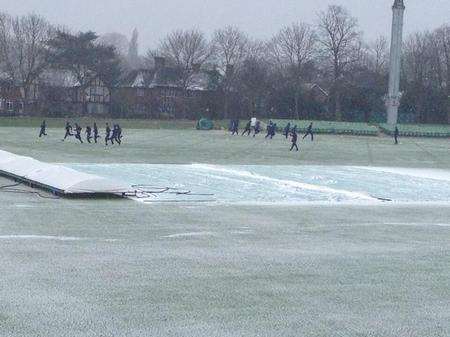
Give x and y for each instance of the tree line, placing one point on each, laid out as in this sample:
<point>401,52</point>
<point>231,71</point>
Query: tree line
<point>264,77</point>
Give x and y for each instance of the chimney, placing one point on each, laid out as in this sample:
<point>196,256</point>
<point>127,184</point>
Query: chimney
<point>160,62</point>
<point>229,70</point>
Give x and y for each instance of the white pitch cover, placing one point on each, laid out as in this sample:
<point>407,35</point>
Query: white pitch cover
<point>58,177</point>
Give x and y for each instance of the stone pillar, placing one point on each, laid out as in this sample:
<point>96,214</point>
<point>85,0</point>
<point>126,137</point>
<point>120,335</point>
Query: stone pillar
<point>394,96</point>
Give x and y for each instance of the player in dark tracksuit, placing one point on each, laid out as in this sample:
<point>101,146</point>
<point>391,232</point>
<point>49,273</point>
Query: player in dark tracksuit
<point>88,134</point>
<point>295,129</point>
<point>309,132</point>
<point>43,129</point>
<point>287,130</point>
<point>78,132</point>
<point>396,134</point>
<point>96,136</point>
<point>117,134</point>
<point>294,138</point>
<point>68,131</point>
<point>248,128</point>
<point>269,130</point>
<point>235,127</point>
<point>113,134</point>
<point>257,128</point>
<point>108,134</point>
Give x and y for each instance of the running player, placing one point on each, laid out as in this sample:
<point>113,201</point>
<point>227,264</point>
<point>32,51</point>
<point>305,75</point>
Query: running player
<point>43,129</point>
<point>108,135</point>
<point>269,130</point>
<point>294,138</point>
<point>96,136</point>
<point>88,134</point>
<point>287,130</point>
<point>248,128</point>
<point>309,131</point>
<point>117,132</point>
<point>235,127</point>
<point>78,132</point>
<point>68,128</point>
<point>257,128</point>
<point>274,130</point>
<point>396,134</point>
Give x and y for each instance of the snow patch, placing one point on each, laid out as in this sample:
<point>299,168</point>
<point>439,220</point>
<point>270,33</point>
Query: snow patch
<point>191,234</point>
<point>285,183</point>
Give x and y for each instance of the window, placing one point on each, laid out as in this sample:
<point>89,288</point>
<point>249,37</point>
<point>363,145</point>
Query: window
<point>170,92</point>
<point>94,91</point>
<point>96,94</point>
<point>9,105</point>
<point>140,92</point>
<point>141,109</point>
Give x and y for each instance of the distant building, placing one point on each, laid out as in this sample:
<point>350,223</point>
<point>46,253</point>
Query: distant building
<point>159,91</point>
<point>61,94</point>
<point>11,101</point>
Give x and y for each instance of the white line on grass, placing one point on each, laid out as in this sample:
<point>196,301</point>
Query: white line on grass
<point>48,237</point>
<point>191,234</point>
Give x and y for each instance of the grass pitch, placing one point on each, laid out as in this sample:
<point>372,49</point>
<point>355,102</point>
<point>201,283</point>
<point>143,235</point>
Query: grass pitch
<point>181,146</point>
<point>121,268</point>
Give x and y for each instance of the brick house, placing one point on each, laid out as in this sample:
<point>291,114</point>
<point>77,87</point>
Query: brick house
<point>61,94</point>
<point>150,93</point>
<point>11,99</point>
<point>158,92</point>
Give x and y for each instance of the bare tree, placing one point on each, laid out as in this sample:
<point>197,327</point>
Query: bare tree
<point>379,55</point>
<point>442,38</point>
<point>291,50</point>
<point>186,50</point>
<point>230,47</point>
<point>417,65</point>
<point>23,48</point>
<point>253,79</point>
<point>339,39</point>
<point>5,46</point>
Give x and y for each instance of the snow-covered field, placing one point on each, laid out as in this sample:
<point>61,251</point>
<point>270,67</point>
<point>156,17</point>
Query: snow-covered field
<point>253,184</point>
<point>268,243</point>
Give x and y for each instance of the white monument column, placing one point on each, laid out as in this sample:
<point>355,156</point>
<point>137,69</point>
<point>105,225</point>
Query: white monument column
<point>393,96</point>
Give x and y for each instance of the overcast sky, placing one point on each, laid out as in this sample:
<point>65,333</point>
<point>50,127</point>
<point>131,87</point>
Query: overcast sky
<point>259,18</point>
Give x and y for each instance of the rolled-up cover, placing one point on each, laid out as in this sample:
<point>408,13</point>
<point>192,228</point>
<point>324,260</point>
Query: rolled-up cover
<point>57,178</point>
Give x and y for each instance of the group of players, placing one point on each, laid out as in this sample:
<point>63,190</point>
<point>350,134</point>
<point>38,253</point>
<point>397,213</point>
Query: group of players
<point>271,129</point>
<point>112,136</point>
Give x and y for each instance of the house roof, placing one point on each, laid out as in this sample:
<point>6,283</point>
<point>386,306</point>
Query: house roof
<point>151,78</point>
<point>59,78</point>
<point>199,81</point>
<point>164,77</point>
<point>137,79</point>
